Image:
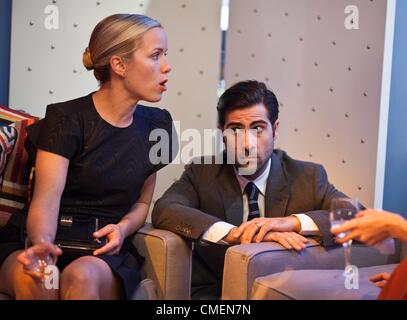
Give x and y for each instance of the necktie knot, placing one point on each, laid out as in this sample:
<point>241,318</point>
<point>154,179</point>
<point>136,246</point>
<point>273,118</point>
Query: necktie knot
<point>252,191</point>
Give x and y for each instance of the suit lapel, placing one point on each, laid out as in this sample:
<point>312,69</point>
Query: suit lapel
<point>277,193</point>
<point>229,190</point>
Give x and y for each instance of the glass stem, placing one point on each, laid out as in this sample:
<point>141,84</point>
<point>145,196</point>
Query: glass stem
<point>346,251</point>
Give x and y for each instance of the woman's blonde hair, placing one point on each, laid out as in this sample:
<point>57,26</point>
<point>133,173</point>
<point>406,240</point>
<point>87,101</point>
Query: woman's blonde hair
<point>117,35</point>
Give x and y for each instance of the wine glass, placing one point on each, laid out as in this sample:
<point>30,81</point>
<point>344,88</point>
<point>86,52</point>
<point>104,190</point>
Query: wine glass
<point>38,253</point>
<point>343,210</point>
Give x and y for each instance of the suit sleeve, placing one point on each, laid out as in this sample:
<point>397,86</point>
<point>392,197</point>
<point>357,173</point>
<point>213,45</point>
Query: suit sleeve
<point>178,209</point>
<point>324,193</point>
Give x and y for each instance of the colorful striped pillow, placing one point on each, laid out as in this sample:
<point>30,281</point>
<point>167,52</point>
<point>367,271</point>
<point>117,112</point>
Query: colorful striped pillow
<point>8,137</point>
<point>14,183</point>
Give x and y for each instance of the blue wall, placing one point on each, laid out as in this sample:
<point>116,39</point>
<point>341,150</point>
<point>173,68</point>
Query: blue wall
<point>5,24</point>
<point>395,187</point>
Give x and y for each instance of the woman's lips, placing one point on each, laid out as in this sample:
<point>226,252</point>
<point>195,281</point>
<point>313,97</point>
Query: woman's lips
<point>163,85</point>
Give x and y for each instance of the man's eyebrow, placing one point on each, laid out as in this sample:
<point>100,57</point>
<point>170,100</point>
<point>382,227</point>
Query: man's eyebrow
<point>259,122</point>
<point>234,124</point>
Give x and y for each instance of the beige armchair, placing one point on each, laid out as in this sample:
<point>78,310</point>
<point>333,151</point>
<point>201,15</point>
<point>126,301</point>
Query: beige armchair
<point>166,272</point>
<point>266,271</point>
<point>167,265</point>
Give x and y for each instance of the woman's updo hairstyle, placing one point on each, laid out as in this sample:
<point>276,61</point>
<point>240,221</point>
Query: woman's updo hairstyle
<point>117,35</point>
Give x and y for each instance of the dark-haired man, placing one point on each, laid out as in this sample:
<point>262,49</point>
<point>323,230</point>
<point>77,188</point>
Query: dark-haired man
<point>267,197</point>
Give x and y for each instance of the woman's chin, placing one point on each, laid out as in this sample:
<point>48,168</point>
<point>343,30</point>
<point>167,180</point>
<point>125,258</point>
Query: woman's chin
<point>153,99</point>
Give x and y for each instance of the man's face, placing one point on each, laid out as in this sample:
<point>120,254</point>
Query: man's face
<point>249,136</point>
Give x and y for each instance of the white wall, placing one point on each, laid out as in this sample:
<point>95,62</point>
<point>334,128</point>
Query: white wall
<point>41,75</point>
<point>327,78</point>
<point>300,48</point>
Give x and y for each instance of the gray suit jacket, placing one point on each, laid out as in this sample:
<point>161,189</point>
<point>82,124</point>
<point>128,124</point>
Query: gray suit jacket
<point>208,193</point>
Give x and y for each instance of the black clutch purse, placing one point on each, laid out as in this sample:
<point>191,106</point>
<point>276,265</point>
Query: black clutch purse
<point>75,234</point>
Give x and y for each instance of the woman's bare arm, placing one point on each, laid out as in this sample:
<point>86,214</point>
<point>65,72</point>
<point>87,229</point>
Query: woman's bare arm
<point>50,178</point>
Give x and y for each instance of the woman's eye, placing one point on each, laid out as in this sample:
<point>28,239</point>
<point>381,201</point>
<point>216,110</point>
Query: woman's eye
<point>155,56</point>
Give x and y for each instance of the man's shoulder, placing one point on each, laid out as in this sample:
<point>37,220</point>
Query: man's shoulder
<point>209,166</point>
<point>293,166</point>
<point>210,163</point>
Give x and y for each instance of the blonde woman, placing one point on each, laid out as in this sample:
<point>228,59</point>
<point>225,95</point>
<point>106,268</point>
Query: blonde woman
<point>93,160</point>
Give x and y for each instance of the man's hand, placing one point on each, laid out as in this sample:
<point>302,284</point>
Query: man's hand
<point>256,229</point>
<point>289,240</point>
<point>231,237</point>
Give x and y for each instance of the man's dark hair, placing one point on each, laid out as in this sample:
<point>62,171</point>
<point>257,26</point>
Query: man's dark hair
<point>246,94</point>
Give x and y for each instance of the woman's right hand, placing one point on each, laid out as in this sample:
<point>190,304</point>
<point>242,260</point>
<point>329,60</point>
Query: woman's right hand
<point>37,257</point>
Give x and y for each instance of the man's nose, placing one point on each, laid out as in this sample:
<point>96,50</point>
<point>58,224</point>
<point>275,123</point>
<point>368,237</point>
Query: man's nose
<point>250,140</point>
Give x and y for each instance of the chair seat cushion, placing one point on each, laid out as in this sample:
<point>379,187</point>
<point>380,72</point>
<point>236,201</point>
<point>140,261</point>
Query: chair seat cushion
<point>317,285</point>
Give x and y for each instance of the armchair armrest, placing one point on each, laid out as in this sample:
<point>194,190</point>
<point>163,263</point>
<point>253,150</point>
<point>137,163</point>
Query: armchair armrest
<point>245,263</point>
<point>167,262</point>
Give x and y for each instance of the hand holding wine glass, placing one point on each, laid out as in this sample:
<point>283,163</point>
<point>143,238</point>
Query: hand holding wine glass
<point>343,210</point>
<point>38,254</point>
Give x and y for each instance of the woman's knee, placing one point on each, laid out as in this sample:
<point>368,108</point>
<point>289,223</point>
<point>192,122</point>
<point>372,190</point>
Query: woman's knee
<point>80,272</point>
<point>81,279</point>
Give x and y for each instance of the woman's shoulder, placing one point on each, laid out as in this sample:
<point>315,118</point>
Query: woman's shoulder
<point>155,116</point>
<point>71,108</point>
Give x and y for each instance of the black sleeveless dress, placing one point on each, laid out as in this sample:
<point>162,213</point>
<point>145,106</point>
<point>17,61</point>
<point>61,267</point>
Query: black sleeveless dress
<point>108,167</point>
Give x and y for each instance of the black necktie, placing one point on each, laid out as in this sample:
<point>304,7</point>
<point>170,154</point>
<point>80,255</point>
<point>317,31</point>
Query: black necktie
<point>252,196</point>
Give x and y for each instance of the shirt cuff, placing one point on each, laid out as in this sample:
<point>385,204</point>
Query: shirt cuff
<point>307,224</point>
<point>217,232</point>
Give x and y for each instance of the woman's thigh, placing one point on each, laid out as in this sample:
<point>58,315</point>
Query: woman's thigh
<point>8,271</point>
<point>92,273</point>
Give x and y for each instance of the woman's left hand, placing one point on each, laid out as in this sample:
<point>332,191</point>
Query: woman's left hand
<point>115,238</point>
<point>381,279</point>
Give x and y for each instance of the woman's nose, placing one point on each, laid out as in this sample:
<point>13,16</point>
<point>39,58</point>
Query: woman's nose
<point>166,68</point>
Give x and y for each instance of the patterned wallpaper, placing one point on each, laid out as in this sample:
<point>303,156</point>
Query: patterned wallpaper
<point>323,63</point>
<point>326,74</point>
<point>46,65</point>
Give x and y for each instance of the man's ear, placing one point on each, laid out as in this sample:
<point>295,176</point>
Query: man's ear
<point>275,128</point>
<point>118,66</point>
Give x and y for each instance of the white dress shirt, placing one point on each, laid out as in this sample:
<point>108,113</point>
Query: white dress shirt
<point>220,229</point>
